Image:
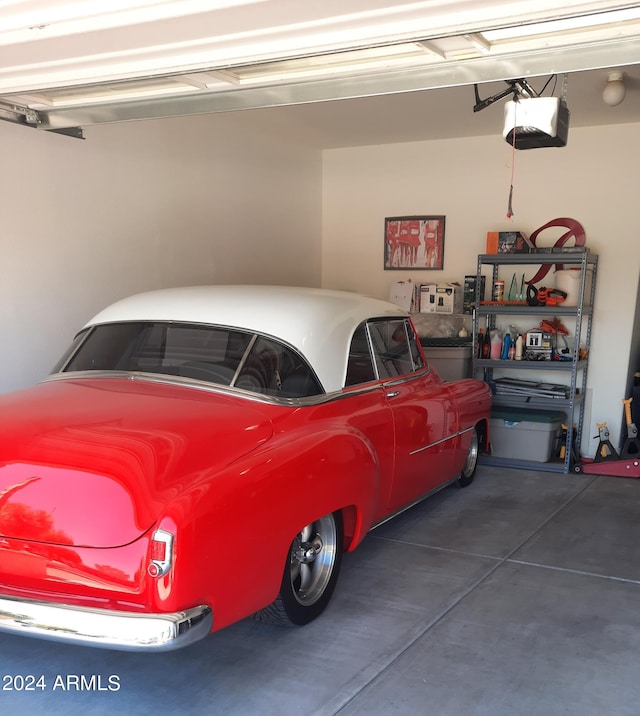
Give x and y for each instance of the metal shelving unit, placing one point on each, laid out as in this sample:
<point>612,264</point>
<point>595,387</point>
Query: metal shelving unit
<point>577,369</point>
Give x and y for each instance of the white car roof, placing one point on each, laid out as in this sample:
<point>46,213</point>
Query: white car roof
<point>317,322</point>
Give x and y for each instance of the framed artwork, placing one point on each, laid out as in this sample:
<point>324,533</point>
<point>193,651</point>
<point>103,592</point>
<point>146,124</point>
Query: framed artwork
<point>414,242</point>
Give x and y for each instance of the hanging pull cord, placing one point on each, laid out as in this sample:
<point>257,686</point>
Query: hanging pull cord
<point>513,162</point>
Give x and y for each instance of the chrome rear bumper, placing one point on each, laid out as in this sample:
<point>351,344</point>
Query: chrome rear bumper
<point>130,631</point>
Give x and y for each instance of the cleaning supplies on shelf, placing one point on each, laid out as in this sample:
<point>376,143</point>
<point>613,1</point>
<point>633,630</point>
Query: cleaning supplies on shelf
<point>496,345</point>
<point>506,345</point>
<point>519,347</point>
<point>485,349</point>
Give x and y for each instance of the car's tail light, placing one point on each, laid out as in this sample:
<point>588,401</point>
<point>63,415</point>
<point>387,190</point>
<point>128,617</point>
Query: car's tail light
<point>161,553</point>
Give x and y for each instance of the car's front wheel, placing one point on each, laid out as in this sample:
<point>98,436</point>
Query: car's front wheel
<point>310,573</point>
<point>471,463</point>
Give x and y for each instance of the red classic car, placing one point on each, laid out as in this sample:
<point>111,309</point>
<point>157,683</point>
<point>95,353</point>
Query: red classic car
<point>188,433</point>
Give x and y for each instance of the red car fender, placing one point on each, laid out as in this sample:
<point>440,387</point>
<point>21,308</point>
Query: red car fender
<point>473,402</point>
<point>235,529</point>
<point>472,399</point>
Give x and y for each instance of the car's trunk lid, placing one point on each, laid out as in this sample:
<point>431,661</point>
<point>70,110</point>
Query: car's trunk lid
<point>93,461</point>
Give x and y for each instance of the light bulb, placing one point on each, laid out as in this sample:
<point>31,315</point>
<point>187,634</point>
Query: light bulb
<point>614,91</point>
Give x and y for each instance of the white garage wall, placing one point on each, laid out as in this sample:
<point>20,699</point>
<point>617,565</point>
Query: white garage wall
<point>137,206</point>
<point>221,199</point>
<point>593,180</point>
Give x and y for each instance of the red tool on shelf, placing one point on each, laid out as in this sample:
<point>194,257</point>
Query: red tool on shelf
<point>559,330</point>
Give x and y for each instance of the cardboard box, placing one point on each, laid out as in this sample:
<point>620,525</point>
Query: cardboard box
<point>440,298</point>
<point>404,294</point>
<point>538,345</point>
<point>507,242</point>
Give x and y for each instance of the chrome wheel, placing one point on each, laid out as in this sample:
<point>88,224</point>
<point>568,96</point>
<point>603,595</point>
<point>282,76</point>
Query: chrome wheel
<point>312,560</point>
<point>310,573</point>
<point>469,468</point>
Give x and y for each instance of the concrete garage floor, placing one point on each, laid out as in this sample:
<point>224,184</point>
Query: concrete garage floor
<point>518,595</point>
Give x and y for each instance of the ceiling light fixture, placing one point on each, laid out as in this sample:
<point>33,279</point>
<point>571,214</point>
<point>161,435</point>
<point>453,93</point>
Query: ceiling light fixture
<point>614,91</point>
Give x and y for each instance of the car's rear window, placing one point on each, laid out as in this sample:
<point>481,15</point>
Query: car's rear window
<point>214,354</point>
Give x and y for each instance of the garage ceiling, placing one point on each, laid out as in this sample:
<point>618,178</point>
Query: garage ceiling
<point>382,71</point>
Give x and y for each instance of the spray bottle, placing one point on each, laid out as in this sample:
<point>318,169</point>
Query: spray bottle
<point>519,345</point>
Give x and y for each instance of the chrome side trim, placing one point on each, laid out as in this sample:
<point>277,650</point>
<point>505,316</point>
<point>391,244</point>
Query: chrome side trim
<point>439,442</point>
<point>415,502</point>
<point>128,631</point>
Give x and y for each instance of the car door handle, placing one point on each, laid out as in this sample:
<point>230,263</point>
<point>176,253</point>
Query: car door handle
<point>393,394</point>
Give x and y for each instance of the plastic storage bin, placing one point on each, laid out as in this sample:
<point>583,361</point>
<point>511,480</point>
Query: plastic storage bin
<point>525,434</point>
<point>451,362</point>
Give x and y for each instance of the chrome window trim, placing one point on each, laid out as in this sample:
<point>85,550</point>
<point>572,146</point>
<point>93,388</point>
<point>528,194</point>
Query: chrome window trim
<point>196,384</point>
<point>399,380</point>
<point>244,358</point>
<point>408,331</point>
<point>372,355</point>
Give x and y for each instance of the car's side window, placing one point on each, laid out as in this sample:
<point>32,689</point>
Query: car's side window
<point>204,353</point>
<point>107,347</point>
<point>274,369</point>
<point>360,368</point>
<point>395,348</point>
<point>208,353</point>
